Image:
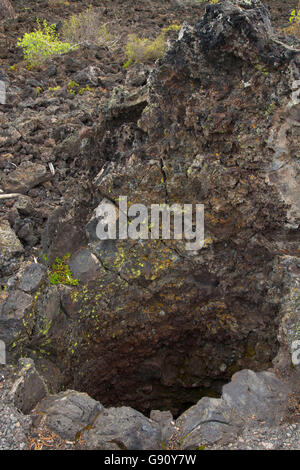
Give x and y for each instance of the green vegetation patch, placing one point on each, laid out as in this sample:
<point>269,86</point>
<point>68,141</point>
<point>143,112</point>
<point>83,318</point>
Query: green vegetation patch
<point>60,272</point>
<point>41,44</point>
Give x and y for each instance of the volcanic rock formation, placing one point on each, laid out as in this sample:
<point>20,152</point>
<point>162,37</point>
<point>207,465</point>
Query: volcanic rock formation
<point>150,324</point>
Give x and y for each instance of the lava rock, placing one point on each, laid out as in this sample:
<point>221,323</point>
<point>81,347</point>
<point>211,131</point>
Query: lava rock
<point>69,412</point>
<point>32,277</point>
<point>122,429</point>
<point>29,389</point>
<point>84,265</point>
<point>209,421</point>
<point>166,423</point>
<point>248,400</point>
<point>24,205</point>
<point>10,249</point>
<point>26,176</point>
<point>63,232</point>
<point>14,428</point>
<point>160,322</point>
<point>257,397</point>
<point>88,76</point>
<point>15,305</point>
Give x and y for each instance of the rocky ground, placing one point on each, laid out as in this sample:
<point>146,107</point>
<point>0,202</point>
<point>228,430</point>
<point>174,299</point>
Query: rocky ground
<point>251,414</point>
<point>148,327</point>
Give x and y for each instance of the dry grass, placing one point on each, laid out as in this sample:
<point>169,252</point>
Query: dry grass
<point>141,50</point>
<point>87,27</point>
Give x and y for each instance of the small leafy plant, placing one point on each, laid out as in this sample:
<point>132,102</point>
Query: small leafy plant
<point>84,89</point>
<point>72,86</point>
<point>294,19</point>
<point>60,272</point>
<point>41,44</point>
<point>141,50</point>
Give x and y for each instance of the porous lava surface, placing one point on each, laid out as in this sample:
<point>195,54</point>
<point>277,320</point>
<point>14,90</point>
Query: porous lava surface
<point>151,325</point>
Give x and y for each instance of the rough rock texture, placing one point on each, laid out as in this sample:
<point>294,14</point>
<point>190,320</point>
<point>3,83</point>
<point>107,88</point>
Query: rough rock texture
<point>32,277</point>
<point>122,429</point>
<point>68,413</point>
<point>73,420</point>
<point>12,434</point>
<point>27,176</point>
<point>152,325</point>
<point>248,400</point>
<point>14,426</point>
<point>7,10</point>
<point>13,308</point>
<point>10,249</point>
<point>28,389</point>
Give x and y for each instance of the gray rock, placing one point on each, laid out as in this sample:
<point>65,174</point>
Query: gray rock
<point>10,249</point>
<point>25,232</point>
<point>28,389</point>
<point>15,305</point>
<point>63,232</point>
<point>166,423</point>
<point>14,428</point>
<point>249,399</point>
<point>209,421</point>
<point>24,205</point>
<point>67,413</point>
<point>121,429</point>
<point>32,277</point>
<point>26,176</point>
<point>136,76</point>
<point>84,265</point>
<point>87,76</point>
<point>256,397</point>
<point>9,136</point>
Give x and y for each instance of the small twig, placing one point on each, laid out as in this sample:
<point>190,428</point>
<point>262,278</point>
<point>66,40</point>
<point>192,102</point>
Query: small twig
<point>51,167</point>
<point>10,196</point>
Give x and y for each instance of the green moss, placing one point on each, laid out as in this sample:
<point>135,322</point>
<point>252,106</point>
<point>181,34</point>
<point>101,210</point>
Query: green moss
<point>270,109</point>
<point>60,272</point>
<point>262,69</point>
<point>72,86</point>
<point>83,90</point>
<point>250,352</point>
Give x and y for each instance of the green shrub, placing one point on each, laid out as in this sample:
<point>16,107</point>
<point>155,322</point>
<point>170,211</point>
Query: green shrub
<point>294,19</point>
<point>87,27</point>
<point>60,272</point>
<point>142,50</point>
<point>41,44</point>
